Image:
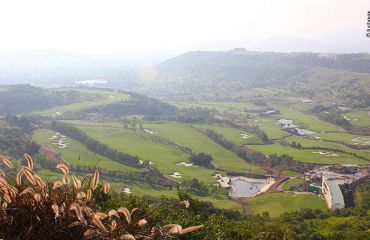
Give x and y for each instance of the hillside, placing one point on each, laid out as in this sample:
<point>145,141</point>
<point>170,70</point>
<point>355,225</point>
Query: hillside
<point>206,74</point>
<point>24,98</point>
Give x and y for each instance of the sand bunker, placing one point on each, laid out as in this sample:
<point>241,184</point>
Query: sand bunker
<point>222,181</point>
<point>59,140</point>
<point>176,175</point>
<point>185,164</point>
<point>327,154</point>
<point>127,190</point>
<point>149,131</point>
<point>244,135</point>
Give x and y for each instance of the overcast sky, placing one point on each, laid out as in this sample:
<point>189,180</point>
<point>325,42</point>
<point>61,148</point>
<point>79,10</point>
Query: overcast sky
<point>172,26</point>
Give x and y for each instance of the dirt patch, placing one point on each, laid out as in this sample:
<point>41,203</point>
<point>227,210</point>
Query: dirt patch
<point>278,185</point>
<point>246,206</point>
<point>50,153</point>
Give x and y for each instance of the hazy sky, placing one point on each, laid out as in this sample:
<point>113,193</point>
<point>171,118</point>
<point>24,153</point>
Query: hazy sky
<point>169,26</point>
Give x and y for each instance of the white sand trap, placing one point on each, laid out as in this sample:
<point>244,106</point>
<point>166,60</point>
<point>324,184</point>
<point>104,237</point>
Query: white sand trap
<point>149,131</point>
<point>151,163</point>
<point>224,182</point>
<point>244,135</point>
<point>327,154</point>
<point>225,179</point>
<point>321,153</point>
<point>141,162</point>
<point>127,190</point>
<point>176,175</point>
<point>185,164</point>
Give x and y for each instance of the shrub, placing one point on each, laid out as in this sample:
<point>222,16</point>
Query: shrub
<point>31,208</point>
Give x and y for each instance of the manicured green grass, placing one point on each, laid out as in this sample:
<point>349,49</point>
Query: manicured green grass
<point>222,203</point>
<point>359,119</point>
<point>278,203</point>
<point>142,189</point>
<point>292,182</point>
<point>230,133</point>
<point>314,142</point>
<point>187,136</point>
<point>308,155</point>
<point>75,149</point>
<point>106,98</point>
<point>163,156</point>
<point>268,125</point>
<point>344,137</point>
<point>235,107</point>
<point>290,173</point>
<point>304,120</point>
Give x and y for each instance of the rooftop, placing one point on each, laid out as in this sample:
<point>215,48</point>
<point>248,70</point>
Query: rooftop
<point>335,192</point>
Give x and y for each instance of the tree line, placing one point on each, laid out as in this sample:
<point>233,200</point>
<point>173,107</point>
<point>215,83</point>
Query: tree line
<point>151,177</point>
<point>300,146</point>
<point>250,157</point>
<point>94,145</point>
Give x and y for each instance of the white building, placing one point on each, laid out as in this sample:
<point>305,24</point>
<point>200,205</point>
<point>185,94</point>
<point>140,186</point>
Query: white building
<point>332,193</point>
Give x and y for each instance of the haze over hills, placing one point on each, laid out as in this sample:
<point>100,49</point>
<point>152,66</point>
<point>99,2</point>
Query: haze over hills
<point>185,120</point>
<point>233,132</point>
<point>55,68</point>
<point>211,70</point>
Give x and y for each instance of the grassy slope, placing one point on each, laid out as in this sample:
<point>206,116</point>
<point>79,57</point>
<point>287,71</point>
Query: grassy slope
<point>268,124</point>
<point>277,203</point>
<point>164,157</point>
<point>290,173</point>
<point>104,98</point>
<point>341,137</point>
<point>363,118</point>
<point>304,120</point>
<point>230,133</point>
<point>312,142</point>
<point>75,149</point>
<point>308,155</point>
<point>292,182</point>
<point>187,136</point>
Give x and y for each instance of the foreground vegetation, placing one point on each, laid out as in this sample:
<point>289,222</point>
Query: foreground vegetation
<point>71,208</point>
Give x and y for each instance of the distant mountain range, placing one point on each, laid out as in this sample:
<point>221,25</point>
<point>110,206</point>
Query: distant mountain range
<point>231,72</point>
<point>197,73</point>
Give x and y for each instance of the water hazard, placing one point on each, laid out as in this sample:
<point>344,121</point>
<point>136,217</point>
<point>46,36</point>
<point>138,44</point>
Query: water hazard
<point>247,189</point>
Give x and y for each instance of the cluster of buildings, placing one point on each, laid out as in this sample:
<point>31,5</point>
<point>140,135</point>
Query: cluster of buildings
<point>336,183</point>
